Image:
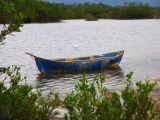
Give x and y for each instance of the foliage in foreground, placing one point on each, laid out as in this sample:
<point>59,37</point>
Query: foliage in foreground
<point>92,101</point>
<point>20,101</point>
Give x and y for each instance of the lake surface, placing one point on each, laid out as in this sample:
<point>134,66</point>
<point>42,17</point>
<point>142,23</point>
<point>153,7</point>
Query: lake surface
<point>74,38</point>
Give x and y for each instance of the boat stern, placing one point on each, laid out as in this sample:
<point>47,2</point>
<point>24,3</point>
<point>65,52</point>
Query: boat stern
<point>114,63</point>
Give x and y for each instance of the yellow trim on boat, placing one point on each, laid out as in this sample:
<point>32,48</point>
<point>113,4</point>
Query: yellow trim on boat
<point>115,65</point>
<point>91,58</point>
<point>121,52</point>
<point>42,73</point>
<point>84,62</point>
<point>69,60</point>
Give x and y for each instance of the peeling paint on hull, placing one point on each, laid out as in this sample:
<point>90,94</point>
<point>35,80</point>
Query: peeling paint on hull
<point>46,66</point>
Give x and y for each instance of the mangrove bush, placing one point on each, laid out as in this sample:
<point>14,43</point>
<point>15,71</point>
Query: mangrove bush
<point>92,101</point>
<point>43,11</point>
<point>19,101</point>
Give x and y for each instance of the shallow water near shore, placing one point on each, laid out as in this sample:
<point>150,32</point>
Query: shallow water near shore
<point>140,39</point>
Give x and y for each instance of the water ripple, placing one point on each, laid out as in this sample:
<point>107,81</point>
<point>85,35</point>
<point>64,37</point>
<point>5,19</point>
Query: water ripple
<point>75,38</point>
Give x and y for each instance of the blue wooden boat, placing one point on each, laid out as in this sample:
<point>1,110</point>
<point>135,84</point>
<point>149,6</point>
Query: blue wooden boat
<point>46,66</point>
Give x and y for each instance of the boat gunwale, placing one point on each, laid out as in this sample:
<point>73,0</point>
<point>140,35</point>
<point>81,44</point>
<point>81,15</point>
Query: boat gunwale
<point>88,58</point>
<point>73,60</point>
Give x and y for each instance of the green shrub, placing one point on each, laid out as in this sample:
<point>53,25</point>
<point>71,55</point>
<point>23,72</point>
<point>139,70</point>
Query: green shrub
<point>137,104</point>
<point>92,101</point>
<point>20,101</point>
<point>9,14</point>
<point>43,11</point>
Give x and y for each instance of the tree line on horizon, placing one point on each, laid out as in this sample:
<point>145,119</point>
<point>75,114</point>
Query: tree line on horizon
<point>41,11</point>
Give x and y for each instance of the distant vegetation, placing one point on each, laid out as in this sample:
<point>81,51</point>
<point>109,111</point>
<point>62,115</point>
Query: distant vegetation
<point>41,11</point>
<point>9,14</point>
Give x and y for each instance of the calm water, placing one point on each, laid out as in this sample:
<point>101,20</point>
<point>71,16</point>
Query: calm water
<point>73,38</point>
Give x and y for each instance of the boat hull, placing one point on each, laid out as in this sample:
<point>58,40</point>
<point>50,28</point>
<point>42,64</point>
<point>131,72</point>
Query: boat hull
<point>46,66</point>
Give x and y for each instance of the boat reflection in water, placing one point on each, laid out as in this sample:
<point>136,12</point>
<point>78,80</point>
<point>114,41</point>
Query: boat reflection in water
<point>65,82</point>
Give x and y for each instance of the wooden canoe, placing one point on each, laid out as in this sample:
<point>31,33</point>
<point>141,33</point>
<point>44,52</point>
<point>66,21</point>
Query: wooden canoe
<point>46,66</point>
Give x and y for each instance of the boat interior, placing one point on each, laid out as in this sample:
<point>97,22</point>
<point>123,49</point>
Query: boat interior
<point>91,58</point>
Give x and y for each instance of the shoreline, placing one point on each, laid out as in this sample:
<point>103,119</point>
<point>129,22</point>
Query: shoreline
<point>62,20</point>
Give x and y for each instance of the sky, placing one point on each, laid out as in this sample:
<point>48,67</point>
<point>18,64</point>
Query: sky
<point>109,2</point>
